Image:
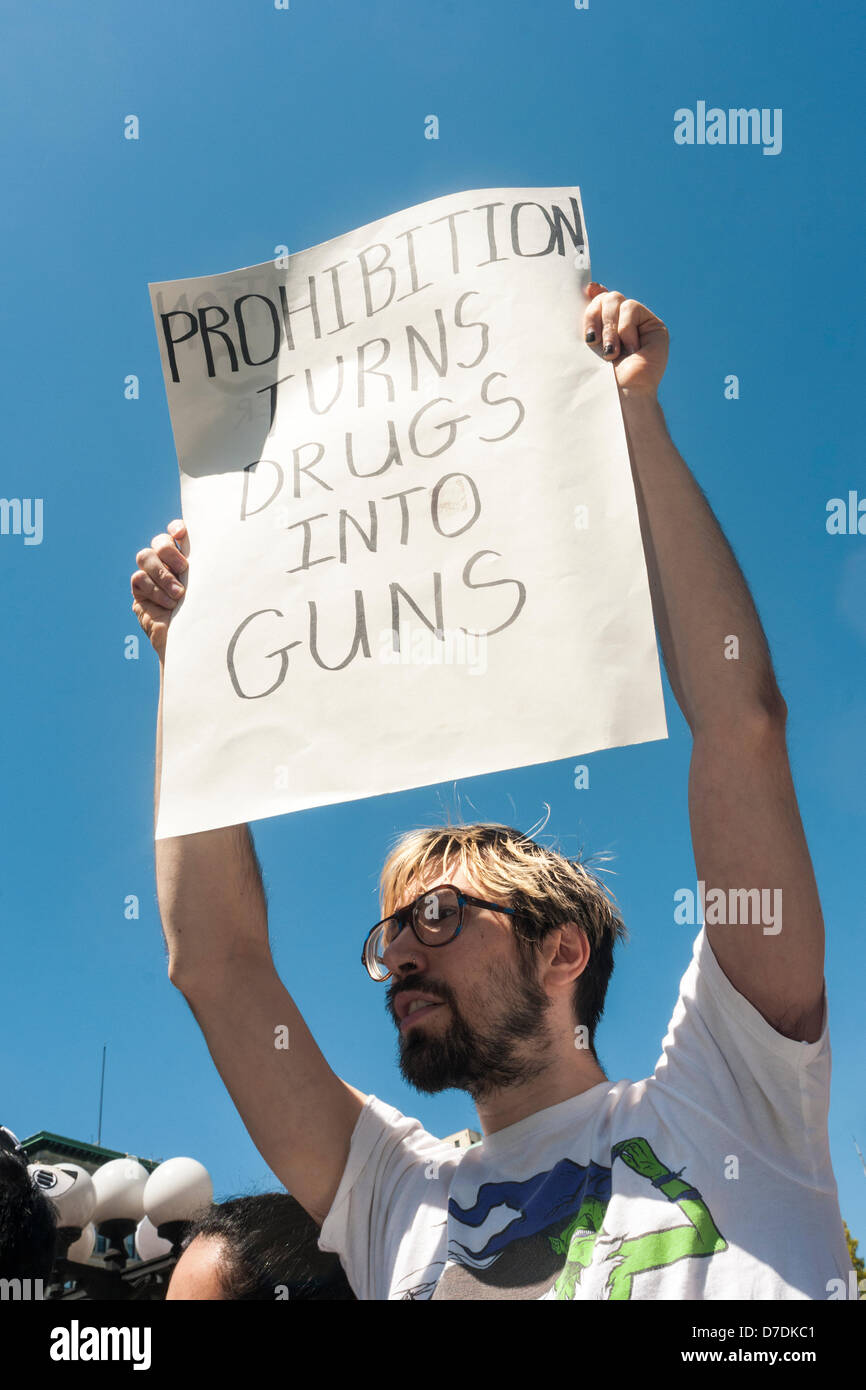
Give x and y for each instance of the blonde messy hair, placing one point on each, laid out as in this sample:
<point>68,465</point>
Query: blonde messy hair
<point>544,887</point>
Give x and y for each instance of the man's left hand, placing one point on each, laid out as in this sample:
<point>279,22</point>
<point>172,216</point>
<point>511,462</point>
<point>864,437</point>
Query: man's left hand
<point>628,335</point>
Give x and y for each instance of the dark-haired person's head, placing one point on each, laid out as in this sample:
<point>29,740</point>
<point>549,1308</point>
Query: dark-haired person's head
<point>28,1225</point>
<point>262,1248</point>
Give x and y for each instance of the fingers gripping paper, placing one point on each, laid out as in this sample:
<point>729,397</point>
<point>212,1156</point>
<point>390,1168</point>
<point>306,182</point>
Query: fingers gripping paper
<point>415,552</point>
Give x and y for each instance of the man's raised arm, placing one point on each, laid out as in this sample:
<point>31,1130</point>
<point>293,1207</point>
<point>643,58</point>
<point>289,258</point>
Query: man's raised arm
<point>299,1114</point>
<point>747,835</point>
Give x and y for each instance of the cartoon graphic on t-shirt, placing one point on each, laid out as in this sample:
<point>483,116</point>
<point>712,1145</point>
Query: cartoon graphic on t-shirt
<point>653,1249</point>
<point>512,1240</point>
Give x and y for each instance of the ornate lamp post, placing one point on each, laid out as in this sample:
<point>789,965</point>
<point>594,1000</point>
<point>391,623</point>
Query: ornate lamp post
<point>119,1188</point>
<point>120,1199</point>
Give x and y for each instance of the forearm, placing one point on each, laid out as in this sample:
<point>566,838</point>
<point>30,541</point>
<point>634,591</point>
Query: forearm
<point>700,598</point>
<point>210,892</point>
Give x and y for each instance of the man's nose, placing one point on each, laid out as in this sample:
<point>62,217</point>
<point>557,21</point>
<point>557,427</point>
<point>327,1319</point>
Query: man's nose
<point>404,953</point>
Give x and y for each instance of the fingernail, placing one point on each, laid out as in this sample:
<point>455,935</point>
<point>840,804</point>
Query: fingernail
<point>608,349</point>
<point>590,337</point>
<point>176,589</point>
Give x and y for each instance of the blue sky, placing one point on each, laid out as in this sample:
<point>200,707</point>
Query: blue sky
<point>262,127</point>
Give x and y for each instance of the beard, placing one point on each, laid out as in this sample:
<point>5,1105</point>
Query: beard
<point>482,1058</point>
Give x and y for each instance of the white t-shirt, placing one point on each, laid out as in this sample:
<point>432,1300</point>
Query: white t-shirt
<point>709,1180</point>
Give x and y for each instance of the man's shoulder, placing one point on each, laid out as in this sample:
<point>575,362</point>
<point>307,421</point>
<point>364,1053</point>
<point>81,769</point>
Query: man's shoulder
<point>712,1013</point>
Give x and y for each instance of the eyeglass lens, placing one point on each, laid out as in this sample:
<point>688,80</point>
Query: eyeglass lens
<point>435,917</point>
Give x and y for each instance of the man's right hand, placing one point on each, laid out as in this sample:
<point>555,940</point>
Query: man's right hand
<point>159,583</point>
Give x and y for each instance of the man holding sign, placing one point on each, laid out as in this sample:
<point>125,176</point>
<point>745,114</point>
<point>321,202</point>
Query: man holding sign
<point>709,1180</point>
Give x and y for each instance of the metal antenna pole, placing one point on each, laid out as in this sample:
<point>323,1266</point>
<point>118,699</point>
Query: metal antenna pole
<point>101,1094</point>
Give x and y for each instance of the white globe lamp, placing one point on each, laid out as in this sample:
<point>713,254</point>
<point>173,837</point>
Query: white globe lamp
<point>175,1191</point>
<point>70,1190</point>
<point>119,1185</point>
<point>149,1244</point>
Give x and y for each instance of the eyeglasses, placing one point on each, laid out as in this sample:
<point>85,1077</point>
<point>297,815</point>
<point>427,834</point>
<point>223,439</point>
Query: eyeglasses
<point>435,918</point>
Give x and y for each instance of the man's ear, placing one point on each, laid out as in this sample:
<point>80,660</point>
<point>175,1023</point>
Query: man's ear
<point>566,953</point>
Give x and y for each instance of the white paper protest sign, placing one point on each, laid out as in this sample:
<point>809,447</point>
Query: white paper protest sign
<point>415,551</point>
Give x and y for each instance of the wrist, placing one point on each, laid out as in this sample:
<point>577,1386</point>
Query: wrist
<point>645,399</point>
<point>642,414</point>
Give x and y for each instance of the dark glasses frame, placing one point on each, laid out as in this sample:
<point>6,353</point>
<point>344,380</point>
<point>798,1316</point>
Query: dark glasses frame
<point>9,1143</point>
<point>405,917</point>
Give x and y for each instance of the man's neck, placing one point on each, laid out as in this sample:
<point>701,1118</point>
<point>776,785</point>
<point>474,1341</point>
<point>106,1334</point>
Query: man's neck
<point>557,1083</point>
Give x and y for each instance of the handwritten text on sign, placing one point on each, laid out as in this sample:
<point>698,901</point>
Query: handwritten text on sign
<point>382,440</point>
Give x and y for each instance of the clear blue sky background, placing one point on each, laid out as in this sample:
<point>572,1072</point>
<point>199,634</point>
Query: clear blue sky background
<point>261,127</point>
